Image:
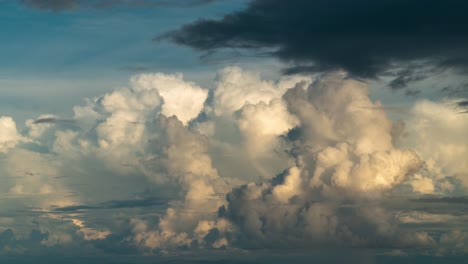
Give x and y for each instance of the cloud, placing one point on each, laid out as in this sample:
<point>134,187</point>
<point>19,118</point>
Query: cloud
<point>329,197</point>
<point>261,125</point>
<point>244,120</point>
<point>365,38</point>
<point>65,5</point>
<point>126,126</point>
<point>412,72</point>
<point>449,200</point>
<point>422,184</point>
<point>115,204</point>
<point>90,233</point>
<point>422,217</point>
<point>183,157</point>
<point>181,98</point>
<point>462,103</point>
<point>50,120</point>
<point>436,132</point>
<point>9,136</point>
<point>337,162</point>
<point>252,163</point>
<point>454,242</point>
<point>10,243</point>
<point>236,87</point>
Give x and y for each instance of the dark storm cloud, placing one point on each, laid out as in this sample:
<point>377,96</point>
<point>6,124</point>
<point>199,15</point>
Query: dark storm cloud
<point>62,5</point>
<point>463,103</point>
<point>412,72</point>
<point>364,37</point>
<point>51,120</point>
<point>463,106</point>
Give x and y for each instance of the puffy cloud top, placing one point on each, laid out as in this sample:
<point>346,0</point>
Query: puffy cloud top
<point>260,164</point>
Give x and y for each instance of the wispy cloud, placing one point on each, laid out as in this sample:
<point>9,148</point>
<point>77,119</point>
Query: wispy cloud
<point>116,204</point>
<point>64,5</point>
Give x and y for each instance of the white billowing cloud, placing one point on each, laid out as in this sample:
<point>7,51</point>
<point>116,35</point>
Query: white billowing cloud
<point>181,152</point>
<point>262,123</point>
<point>36,130</point>
<point>125,130</point>
<point>422,184</point>
<point>343,151</point>
<point>114,127</point>
<point>345,139</point>
<point>124,119</point>
<point>438,133</point>
<point>322,155</point>
<point>337,109</point>
<point>9,136</point>
<point>261,127</point>
<point>124,111</point>
<point>183,155</point>
<point>236,87</point>
<point>292,183</point>
<point>35,177</point>
<point>245,121</point>
<point>181,98</point>
<point>368,173</point>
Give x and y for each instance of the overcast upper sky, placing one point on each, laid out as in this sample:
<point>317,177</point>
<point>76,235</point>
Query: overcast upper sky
<point>219,131</point>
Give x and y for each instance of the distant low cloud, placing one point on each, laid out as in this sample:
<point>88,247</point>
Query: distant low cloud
<point>450,200</point>
<point>364,37</point>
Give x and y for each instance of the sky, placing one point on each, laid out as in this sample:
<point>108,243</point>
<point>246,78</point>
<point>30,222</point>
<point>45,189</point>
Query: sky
<point>218,131</point>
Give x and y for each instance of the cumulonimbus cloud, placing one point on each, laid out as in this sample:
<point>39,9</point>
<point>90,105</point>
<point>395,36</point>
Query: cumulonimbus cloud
<point>294,163</point>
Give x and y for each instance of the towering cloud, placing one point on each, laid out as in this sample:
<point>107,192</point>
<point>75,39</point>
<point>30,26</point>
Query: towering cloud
<point>345,161</point>
<point>293,162</point>
<point>344,164</point>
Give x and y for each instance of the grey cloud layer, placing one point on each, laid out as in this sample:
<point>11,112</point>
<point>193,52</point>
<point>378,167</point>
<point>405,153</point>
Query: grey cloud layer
<point>364,37</point>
